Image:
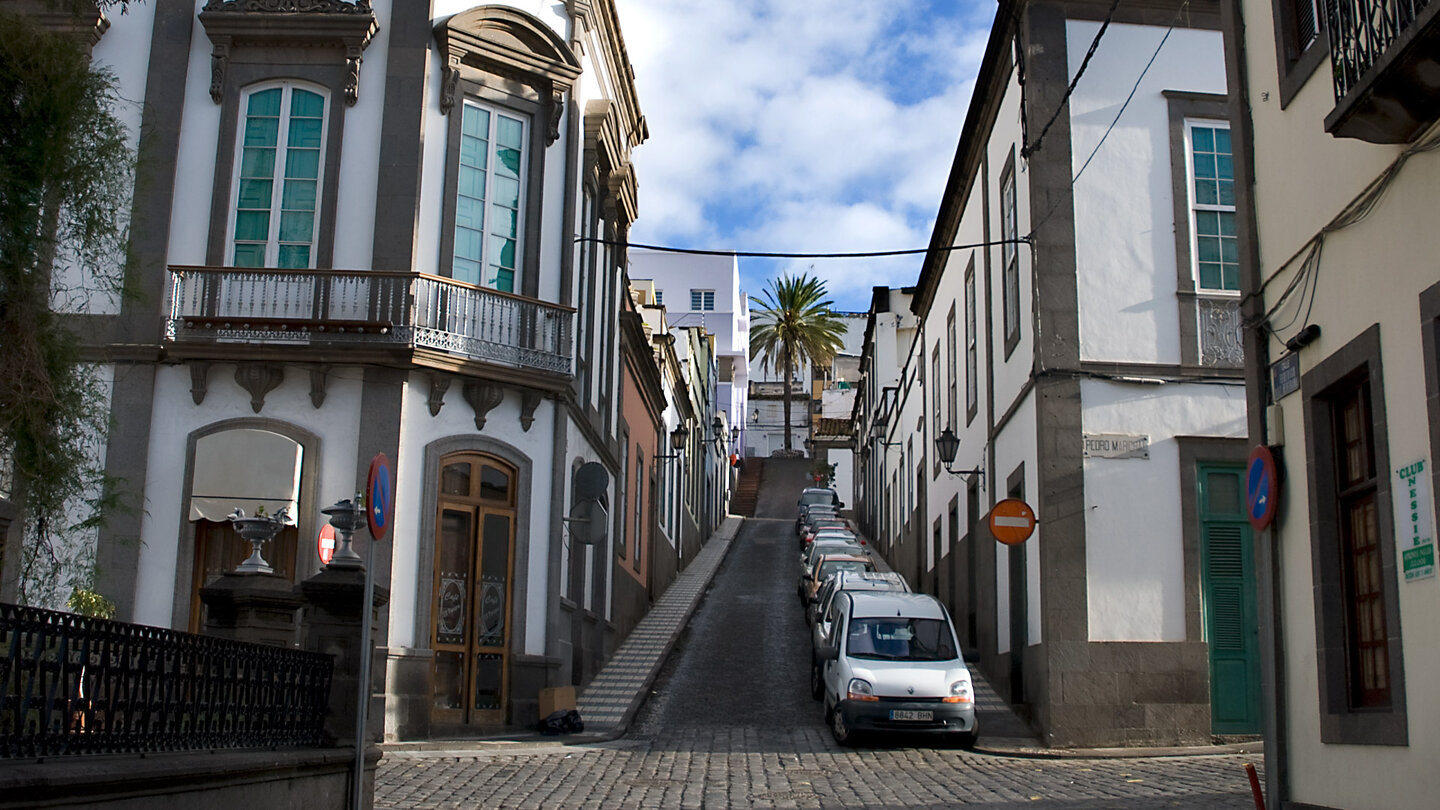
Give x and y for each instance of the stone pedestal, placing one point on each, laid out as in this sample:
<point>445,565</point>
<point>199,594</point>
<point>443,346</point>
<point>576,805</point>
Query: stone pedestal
<point>258,608</point>
<point>334,599</point>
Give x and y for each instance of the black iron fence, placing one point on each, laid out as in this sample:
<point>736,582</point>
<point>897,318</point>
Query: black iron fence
<point>76,685</point>
<point>1360,33</point>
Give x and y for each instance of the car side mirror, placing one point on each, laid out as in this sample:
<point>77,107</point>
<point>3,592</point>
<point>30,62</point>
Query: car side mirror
<point>828,653</point>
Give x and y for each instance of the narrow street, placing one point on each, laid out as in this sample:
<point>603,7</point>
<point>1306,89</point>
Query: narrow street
<point>730,723</point>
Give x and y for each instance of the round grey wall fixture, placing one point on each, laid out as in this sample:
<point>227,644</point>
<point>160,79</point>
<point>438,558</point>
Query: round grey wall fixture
<point>588,521</point>
<point>591,481</point>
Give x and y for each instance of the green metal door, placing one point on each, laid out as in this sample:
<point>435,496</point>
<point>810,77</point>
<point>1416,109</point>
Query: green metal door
<point>1228,601</point>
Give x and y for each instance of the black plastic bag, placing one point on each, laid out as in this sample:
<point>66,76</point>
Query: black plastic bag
<point>564,721</point>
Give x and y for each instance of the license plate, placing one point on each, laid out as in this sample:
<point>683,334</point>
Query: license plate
<point>904,714</point>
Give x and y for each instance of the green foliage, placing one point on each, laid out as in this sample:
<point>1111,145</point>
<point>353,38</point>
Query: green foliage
<point>66,167</point>
<point>89,603</point>
<point>793,325</point>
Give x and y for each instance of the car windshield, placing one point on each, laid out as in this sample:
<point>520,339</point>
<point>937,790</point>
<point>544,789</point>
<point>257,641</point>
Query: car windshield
<point>900,639</point>
<point>816,496</point>
<point>830,568</point>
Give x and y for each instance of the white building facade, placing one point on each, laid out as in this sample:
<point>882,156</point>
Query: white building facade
<point>1344,387</point>
<point>1078,332</point>
<point>380,227</point>
<point>704,291</point>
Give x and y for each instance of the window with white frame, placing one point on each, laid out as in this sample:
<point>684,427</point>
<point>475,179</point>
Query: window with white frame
<point>1212,205</point>
<point>702,300</point>
<point>278,179</point>
<point>489,198</point>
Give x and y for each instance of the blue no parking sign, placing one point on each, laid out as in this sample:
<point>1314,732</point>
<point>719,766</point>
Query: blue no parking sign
<point>1261,488</point>
<point>380,497</point>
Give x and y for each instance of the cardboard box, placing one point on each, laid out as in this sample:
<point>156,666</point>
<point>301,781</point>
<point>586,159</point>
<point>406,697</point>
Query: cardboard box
<point>556,698</point>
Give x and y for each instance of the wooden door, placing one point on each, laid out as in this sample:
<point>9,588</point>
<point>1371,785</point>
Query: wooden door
<point>1228,596</point>
<point>474,554</point>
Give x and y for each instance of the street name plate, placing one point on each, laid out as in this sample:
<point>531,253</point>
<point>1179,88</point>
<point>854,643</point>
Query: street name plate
<point>1116,445</point>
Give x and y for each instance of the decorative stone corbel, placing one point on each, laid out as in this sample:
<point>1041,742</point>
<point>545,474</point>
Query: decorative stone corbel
<point>219,61</point>
<point>483,397</point>
<point>449,85</point>
<point>199,380</point>
<point>259,379</point>
<point>352,73</point>
<point>319,381</point>
<point>529,401</point>
<point>557,111</point>
<point>439,384</point>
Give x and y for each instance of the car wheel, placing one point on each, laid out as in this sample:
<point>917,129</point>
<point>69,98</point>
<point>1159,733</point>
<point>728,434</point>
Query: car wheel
<point>817,683</point>
<point>842,733</point>
<point>967,739</point>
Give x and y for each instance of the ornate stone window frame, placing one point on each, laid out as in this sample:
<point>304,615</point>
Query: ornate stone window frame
<point>317,42</point>
<point>1209,320</point>
<point>504,57</point>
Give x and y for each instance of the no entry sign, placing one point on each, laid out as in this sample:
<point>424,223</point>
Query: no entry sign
<point>325,545</point>
<point>1012,521</point>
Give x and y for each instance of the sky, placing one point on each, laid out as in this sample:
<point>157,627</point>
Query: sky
<point>801,126</point>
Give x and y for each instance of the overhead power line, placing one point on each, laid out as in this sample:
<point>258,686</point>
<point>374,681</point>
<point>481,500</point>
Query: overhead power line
<point>758,254</point>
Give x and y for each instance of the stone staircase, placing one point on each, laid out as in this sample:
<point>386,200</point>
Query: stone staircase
<point>747,488</point>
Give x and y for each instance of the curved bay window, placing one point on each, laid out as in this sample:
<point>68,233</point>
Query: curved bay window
<point>474,554</point>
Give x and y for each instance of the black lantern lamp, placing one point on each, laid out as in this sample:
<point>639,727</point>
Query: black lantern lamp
<point>947,444</point>
<point>678,437</point>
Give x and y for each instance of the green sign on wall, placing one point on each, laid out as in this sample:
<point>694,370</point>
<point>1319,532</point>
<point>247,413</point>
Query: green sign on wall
<point>1414,529</point>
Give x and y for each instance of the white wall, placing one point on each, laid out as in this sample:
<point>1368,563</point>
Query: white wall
<point>1134,555</point>
<point>1124,214</point>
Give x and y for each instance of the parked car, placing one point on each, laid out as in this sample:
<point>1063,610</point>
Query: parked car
<point>826,566</point>
<point>811,554</point>
<point>819,615</point>
<point>891,662</point>
<point>831,534</point>
<point>816,523</point>
<point>807,515</point>
<point>820,495</point>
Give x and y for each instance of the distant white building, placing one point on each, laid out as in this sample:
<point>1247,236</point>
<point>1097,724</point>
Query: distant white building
<point>704,291</point>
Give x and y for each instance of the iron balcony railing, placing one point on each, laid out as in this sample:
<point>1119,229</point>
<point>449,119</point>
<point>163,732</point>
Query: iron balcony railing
<point>76,685</point>
<point>305,307</point>
<point>1361,31</point>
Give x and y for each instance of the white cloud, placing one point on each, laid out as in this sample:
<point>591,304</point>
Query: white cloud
<point>800,125</point>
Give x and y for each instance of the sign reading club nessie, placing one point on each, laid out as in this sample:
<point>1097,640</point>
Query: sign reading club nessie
<point>1414,526</point>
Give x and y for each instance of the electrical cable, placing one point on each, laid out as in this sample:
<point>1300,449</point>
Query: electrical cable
<point>756,254</point>
<point>1031,148</point>
<point>1179,14</point>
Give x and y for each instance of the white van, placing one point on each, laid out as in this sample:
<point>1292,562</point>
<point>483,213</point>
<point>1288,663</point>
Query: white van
<point>892,663</point>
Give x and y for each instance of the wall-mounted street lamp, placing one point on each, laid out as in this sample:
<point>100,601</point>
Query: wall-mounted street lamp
<point>947,444</point>
<point>678,437</point>
<point>717,432</point>
<point>735,434</point>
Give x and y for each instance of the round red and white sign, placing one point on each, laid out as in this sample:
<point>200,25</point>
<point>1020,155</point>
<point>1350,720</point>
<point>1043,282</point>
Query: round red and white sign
<point>325,546</point>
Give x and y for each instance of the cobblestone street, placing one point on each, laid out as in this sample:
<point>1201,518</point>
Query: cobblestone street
<point>730,723</point>
<point>748,767</point>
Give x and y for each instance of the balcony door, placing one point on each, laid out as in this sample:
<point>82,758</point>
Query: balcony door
<point>474,556</point>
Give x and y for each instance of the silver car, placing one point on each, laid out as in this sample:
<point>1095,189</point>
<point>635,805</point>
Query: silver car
<point>891,662</point>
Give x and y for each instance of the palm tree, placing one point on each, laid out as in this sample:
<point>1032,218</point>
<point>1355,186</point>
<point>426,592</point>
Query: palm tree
<point>794,325</point>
